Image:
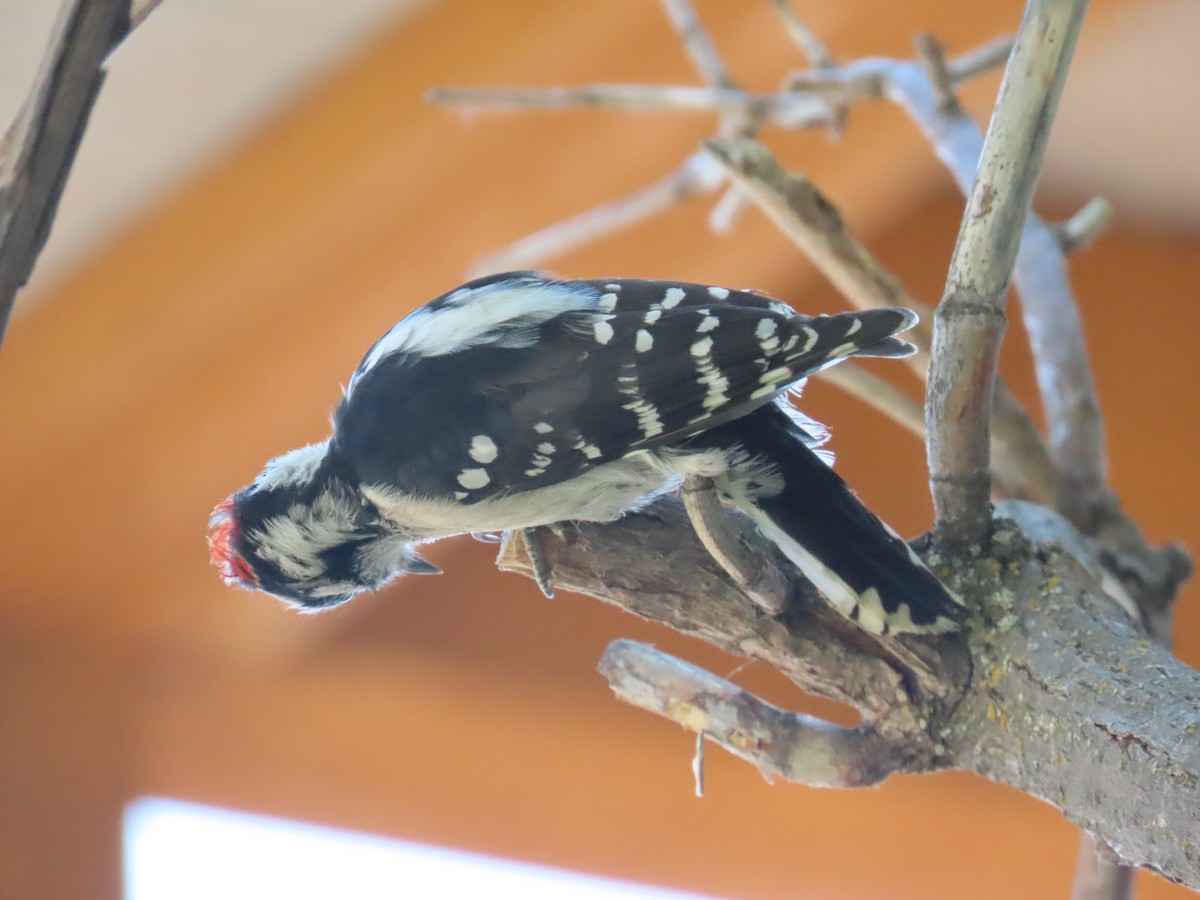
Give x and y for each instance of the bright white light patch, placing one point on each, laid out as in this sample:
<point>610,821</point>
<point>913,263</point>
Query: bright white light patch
<point>181,851</point>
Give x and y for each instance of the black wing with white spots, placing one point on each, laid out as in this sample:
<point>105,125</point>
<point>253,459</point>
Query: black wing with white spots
<point>520,381</point>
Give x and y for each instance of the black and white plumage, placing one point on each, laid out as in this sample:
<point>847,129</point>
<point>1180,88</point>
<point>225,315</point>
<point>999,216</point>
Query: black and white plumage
<point>520,400</point>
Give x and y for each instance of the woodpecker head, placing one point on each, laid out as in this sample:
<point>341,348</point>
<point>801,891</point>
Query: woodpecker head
<point>307,537</point>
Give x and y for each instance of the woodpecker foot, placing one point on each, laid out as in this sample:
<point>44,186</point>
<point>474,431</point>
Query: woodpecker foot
<point>532,542</point>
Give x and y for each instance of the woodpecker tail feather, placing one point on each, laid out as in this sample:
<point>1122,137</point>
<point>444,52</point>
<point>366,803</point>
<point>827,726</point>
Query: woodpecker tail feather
<point>865,570</point>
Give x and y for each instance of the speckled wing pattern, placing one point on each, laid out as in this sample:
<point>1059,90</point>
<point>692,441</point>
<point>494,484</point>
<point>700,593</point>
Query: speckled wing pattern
<point>633,365</point>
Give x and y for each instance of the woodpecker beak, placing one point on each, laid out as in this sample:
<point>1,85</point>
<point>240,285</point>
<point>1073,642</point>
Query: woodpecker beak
<point>414,565</point>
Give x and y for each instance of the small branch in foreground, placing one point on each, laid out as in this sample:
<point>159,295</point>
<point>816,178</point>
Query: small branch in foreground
<point>792,746</point>
<point>970,321</point>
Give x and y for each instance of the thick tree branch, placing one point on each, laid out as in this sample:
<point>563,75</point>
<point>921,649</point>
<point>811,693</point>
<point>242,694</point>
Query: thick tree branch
<point>654,565</point>
<point>1113,717</point>
<point>803,36</point>
<point>698,43</point>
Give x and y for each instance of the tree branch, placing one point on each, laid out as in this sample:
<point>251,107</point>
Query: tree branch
<point>792,746</point>
<point>970,321</point>
<point>877,393</point>
<point>1115,717</point>
<point>1002,700</point>
<point>787,110</point>
<point>1082,229</point>
<point>39,147</point>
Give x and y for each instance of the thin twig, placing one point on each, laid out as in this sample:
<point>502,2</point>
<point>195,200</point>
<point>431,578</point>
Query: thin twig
<point>881,395</point>
<point>803,36</point>
<point>795,204</point>
<point>1081,230</point>
<point>752,572</point>
<point>698,175</point>
<point>970,320</point>
<point>1064,374</point>
<point>792,746</point>
<point>930,55</point>
<point>1023,466</point>
<point>699,45</point>
<point>821,94</point>
<point>790,110</point>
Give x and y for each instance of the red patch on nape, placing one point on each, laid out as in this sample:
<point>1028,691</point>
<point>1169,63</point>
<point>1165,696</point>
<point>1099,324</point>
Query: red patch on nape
<point>223,534</point>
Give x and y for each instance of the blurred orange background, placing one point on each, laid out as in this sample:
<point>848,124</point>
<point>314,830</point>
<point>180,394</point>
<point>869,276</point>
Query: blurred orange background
<point>465,710</point>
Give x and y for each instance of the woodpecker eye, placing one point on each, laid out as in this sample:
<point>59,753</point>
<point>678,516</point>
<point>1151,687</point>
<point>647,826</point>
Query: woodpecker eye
<point>368,514</point>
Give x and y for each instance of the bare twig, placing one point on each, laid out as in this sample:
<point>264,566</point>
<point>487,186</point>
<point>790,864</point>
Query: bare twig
<point>752,572</point>
<point>881,395</point>
<point>930,54</point>
<point>970,320</point>
<point>982,59</point>
<point>809,98</point>
<point>803,102</point>
<point>1023,466</point>
<point>788,745</point>
<point>803,36</point>
<point>726,211</point>
<point>698,43</point>
<point>789,110</point>
<point>698,175</point>
<point>698,765</point>
<point>795,204</point>
<point>1007,722</point>
<point>39,148</point>
<point>1082,229</point>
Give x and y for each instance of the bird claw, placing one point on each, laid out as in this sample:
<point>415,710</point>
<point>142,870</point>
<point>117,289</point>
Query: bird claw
<point>488,537</point>
<point>537,559</point>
